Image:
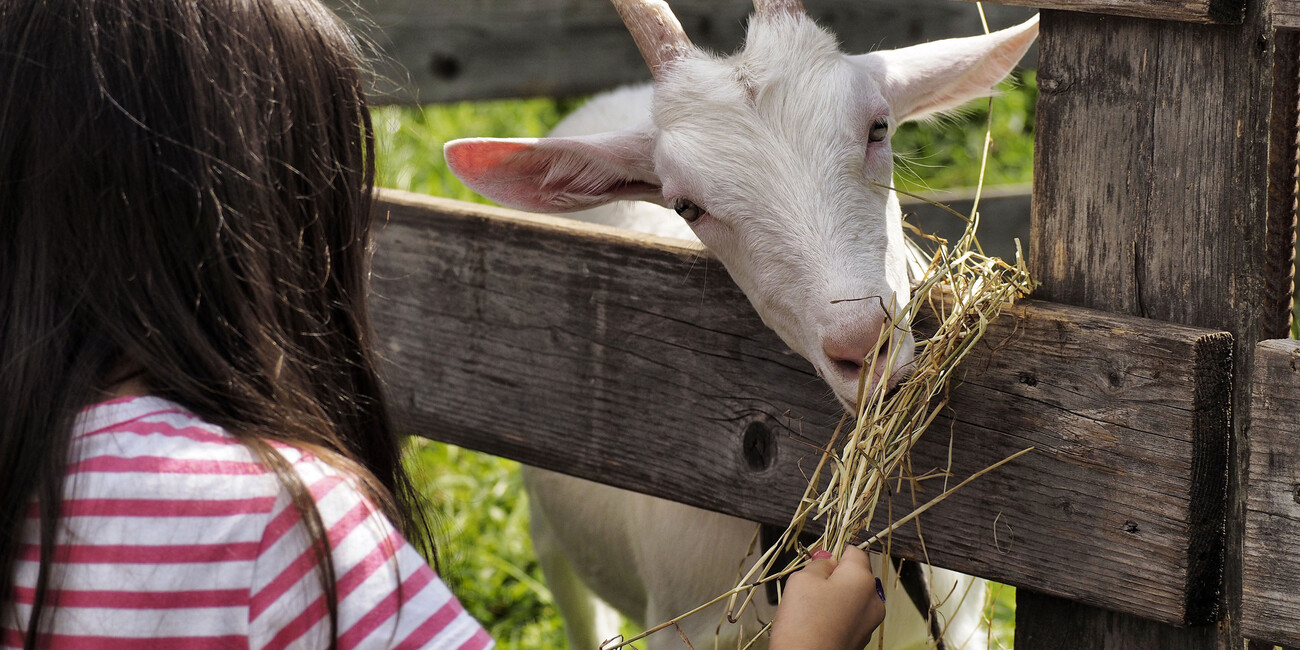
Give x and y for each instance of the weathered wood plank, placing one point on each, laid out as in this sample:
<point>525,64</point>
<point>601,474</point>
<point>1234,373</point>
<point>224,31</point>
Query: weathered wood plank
<point>1270,600</point>
<point>1056,627</point>
<point>452,50</point>
<point>1284,129</point>
<point>1196,11</point>
<point>636,361</point>
<point>1150,199</point>
<point>1285,14</point>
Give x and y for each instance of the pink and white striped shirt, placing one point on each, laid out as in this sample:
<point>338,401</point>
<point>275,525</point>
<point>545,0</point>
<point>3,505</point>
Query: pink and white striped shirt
<point>174,536</point>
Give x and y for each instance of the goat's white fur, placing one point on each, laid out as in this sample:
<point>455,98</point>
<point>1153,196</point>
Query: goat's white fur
<point>772,143</point>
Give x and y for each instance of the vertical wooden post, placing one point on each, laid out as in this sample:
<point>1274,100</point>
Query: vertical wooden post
<point>1151,176</point>
<point>1282,152</point>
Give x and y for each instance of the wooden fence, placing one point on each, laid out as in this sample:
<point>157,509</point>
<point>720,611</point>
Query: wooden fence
<point>1162,508</point>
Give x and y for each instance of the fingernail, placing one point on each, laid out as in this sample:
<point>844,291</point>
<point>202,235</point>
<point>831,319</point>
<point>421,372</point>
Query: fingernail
<point>880,590</point>
<point>821,555</point>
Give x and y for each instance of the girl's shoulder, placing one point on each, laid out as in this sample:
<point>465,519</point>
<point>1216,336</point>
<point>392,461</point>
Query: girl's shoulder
<point>147,439</point>
<point>157,462</point>
<point>136,447</point>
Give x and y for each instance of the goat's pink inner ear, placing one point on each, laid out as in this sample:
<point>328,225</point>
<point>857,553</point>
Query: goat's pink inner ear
<point>557,174</point>
<point>471,160</point>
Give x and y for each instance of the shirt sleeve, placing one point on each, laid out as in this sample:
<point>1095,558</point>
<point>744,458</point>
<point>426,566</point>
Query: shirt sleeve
<point>388,597</point>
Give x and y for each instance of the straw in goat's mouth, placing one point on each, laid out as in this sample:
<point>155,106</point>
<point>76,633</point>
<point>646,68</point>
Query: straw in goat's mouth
<point>965,290</point>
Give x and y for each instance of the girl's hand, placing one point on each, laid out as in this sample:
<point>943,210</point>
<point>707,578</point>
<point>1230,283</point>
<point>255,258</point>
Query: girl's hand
<point>829,605</point>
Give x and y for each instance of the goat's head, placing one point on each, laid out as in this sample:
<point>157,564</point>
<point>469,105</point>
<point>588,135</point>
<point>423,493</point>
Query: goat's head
<point>779,158</point>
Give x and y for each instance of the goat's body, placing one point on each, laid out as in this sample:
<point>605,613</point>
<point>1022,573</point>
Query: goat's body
<point>653,559</point>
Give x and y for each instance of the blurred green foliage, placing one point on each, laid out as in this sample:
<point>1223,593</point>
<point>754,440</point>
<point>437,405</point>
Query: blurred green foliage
<point>477,503</point>
<point>410,138</point>
<point>1000,609</point>
<point>478,500</point>
<point>945,152</point>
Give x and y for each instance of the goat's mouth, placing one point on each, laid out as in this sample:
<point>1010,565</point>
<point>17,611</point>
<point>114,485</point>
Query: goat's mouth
<point>848,378</point>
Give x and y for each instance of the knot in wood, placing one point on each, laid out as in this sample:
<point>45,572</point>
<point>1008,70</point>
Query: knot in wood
<point>758,445</point>
<point>444,66</point>
<point>1051,84</point>
<point>1295,496</point>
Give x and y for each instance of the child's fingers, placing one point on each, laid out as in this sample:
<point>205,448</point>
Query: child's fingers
<point>821,566</point>
<point>854,568</point>
<point>856,557</point>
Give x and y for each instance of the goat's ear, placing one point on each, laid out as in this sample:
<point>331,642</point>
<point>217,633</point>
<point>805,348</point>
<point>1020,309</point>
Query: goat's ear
<point>932,77</point>
<point>558,174</point>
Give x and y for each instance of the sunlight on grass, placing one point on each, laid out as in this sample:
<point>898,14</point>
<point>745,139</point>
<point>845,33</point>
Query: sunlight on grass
<point>481,512</point>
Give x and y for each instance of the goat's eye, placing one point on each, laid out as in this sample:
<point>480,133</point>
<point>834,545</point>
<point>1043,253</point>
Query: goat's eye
<point>879,131</point>
<point>687,210</point>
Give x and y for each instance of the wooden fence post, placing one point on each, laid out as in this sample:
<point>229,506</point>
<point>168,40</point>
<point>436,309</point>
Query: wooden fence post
<point>1151,176</point>
<point>1282,154</point>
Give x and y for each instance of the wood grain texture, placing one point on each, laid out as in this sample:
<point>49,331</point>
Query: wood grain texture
<point>1197,11</point>
<point>1051,623</point>
<point>1282,156</point>
<point>452,50</point>
<point>1150,199</point>
<point>636,361</point>
<point>1285,14</point>
<point>1270,599</point>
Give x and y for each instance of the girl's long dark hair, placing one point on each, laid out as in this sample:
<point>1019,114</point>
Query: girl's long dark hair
<point>186,191</point>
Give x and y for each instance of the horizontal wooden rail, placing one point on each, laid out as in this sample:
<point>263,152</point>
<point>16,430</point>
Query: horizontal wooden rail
<point>635,361</point>
<point>451,50</point>
<point>1285,14</point>
<point>1197,11</point>
<point>1270,601</point>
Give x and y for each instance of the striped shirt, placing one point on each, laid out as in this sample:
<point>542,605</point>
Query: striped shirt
<point>173,535</point>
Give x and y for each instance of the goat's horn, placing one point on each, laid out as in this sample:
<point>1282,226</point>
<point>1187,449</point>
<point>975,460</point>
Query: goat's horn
<point>774,7</point>
<point>656,31</point>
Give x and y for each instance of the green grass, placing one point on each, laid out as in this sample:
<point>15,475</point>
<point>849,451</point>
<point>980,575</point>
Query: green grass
<point>478,500</point>
<point>478,504</point>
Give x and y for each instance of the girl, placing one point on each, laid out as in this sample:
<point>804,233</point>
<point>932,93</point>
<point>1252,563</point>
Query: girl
<point>194,448</point>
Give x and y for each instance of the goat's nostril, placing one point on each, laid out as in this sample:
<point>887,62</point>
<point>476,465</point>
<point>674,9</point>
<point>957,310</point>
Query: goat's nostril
<point>847,369</point>
<point>853,344</point>
<point>851,370</point>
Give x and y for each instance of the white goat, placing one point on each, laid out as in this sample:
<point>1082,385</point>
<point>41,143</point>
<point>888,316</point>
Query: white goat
<point>777,158</point>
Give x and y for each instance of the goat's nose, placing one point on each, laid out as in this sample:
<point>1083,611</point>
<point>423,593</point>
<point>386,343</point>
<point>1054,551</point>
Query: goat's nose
<point>848,345</point>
